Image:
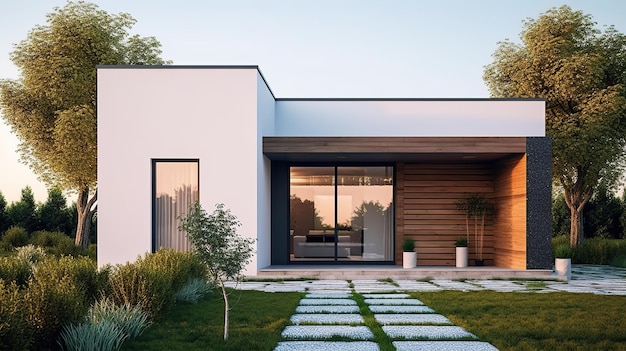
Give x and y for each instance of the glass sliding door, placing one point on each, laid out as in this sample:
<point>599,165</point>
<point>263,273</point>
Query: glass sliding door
<point>312,213</point>
<point>175,187</point>
<point>341,213</point>
<point>365,211</point>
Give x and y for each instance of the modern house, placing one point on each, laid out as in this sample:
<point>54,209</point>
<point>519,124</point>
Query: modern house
<point>332,182</point>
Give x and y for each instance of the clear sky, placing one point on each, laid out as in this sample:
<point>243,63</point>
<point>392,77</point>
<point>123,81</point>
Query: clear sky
<point>320,48</point>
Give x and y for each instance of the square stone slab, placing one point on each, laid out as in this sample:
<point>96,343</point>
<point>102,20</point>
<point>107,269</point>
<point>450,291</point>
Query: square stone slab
<point>393,302</point>
<point>327,309</point>
<point>343,302</point>
<point>321,318</point>
<point>443,346</point>
<point>327,346</point>
<point>429,332</point>
<point>400,309</point>
<point>401,319</point>
<point>317,332</point>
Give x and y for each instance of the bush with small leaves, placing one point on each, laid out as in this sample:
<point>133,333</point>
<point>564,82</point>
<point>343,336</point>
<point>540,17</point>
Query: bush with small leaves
<point>153,280</point>
<point>30,253</point>
<point>15,331</point>
<point>15,237</point>
<point>82,271</point>
<point>13,269</point>
<point>52,303</point>
<point>56,243</point>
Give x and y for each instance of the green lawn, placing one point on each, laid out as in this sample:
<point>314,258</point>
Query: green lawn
<point>510,321</point>
<point>256,322</point>
<point>536,321</point>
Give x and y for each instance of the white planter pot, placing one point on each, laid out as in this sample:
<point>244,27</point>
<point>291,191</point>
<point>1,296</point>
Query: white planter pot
<point>563,267</point>
<point>409,259</point>
<point>461,257</point>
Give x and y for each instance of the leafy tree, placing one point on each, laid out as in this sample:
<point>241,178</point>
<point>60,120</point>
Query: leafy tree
<point>52,107</point>
<point>602,215</point>
<point>580,71</point>
<point>560,214</point>
<point>54,214</point>
<point>4,216</point>
<point>218,245</point>
<point>23,213</point>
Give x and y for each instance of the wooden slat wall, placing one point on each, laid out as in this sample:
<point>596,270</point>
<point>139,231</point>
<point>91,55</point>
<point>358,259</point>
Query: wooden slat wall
<point>426,198</point>
<point>510,200</point>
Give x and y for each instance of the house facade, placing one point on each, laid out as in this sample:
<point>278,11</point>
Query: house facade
<point>317,181</point>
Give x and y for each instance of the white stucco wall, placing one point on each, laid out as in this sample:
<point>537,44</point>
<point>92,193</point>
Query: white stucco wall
<point>219,116</point>
<point>454,118</point>
<point>265,126</point>
<point>178,113</point>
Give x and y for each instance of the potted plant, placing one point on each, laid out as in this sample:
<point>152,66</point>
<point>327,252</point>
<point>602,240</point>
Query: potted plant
<point>477,208</point>
<point>563,261</point>
<point>461,252</point>
<point>409,256</point>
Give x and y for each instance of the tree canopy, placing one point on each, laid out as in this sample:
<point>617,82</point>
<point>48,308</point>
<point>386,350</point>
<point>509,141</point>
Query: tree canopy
<point>580,71</point>
<point>52,107</point>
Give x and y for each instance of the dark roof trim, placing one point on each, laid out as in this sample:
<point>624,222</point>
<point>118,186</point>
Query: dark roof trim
<point>189,67</point>
<point>409,99</point>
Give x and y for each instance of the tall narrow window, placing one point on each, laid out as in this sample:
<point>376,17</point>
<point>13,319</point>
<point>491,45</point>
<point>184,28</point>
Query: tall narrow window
<point>175,187</point>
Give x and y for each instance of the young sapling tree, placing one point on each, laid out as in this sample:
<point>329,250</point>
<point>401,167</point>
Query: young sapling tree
<point>221,249</point>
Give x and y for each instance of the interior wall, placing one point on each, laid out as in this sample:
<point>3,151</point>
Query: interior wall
<point>426,207</point>
<point>510,224</point>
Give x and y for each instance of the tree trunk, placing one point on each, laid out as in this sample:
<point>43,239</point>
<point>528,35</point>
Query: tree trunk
<point>576,201</point>
<point>226,308</point>
<point>85,213</point>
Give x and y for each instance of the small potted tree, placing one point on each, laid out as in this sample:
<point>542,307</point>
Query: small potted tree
<point>563,261</point>
<point>477,208</point>
<point>461,252</point>
<point>409,256</point>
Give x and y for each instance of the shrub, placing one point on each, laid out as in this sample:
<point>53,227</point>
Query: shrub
<point>594,250</point>
<point>52,303</point>
<point>56,243</point>
<point>153,280</point>
<point>87,336</point>
<point>30,253</point>
<point>15,237</point>
<point>408,245</point>
<point>81,271</point>
<point>15,331</point>
<point>132,320</point>
<point>193,291</point>
<point>13,269</point>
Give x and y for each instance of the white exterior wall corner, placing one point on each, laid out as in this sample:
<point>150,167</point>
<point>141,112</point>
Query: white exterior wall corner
<point>160,113</point>
<point>265,127</point>
<point>404,118</point>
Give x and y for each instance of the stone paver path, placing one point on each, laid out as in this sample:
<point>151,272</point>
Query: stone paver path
<point>592,279</point>
<point>410,324</point>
